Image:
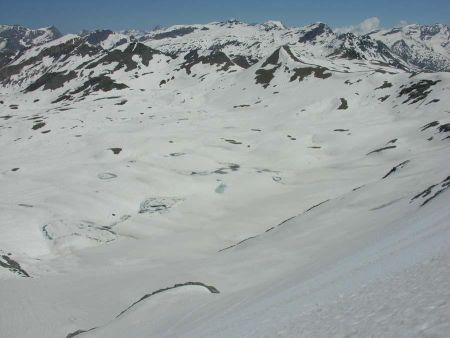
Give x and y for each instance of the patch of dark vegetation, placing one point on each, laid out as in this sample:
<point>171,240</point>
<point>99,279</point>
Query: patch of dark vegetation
<point>241,106</point>
<point>381,149</point>
<point>285,221</point>
<point>234,245</point>
<point>442,186</point>
<point>301,73</point>
<point>384,98</point>
<point>125,58</point>
<point>429,125</point>
<point>52,81</point>
<point>288,50</point>
<point>15,169</point>
<point>225,170</point>
<point>397,167</point>
<point>273,59</point>
<point>433,101</point>
<point>386,84</point>
<point>101,82</point>
<point>341,130</point>
<point>244,61</point>
<point>444,128</point>
<point>265,170</point>
<point>78,332</point>
<point>233,141</point>
<point>264,76</point>
<point>174,33</point>
<point>116,151</point>
<point>35,117</point>
<point>315,206</point>
<point>384,205</point>
<point>304,212</point>
<point>107,98</point>
<point>217,58</point>
<point>176,154</point>
<point>200,173</point>
<point>392,141</point>
<point>38,125</point>
<point>121,103</point>
<point>13,106</point>
<point>424,193</point>
<point>417,91</point>
<point>45,131</point>
<point>25,205</point>
<point>13,266</point>
<point>63,97</point>
<point>210,288</point>
<point>6,117</point>
<point>221,171</point>
<point>344,104</point>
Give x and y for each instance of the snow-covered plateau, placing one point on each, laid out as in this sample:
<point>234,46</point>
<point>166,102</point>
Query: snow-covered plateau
<point>225,180</point>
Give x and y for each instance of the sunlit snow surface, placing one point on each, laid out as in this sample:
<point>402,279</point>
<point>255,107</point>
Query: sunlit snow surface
<point>273,197</point>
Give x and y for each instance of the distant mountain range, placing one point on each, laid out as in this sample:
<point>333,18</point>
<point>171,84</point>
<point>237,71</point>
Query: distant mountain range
<point>14,39</point>
<point>425,47</point>
<point>419,47</point>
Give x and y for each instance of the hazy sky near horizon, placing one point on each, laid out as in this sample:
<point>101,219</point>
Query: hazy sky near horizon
<point>72,16</point>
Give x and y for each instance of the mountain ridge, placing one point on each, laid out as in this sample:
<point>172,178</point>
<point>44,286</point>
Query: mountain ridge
<point>252,41</point>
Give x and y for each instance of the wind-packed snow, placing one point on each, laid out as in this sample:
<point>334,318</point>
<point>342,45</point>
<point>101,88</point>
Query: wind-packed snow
<point>150,189</point>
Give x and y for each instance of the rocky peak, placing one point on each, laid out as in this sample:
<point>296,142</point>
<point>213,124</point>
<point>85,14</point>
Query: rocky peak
<point>312,32</point>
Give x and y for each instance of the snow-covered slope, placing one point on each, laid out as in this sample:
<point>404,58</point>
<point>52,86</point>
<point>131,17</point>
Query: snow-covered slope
<point>156,185</point>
